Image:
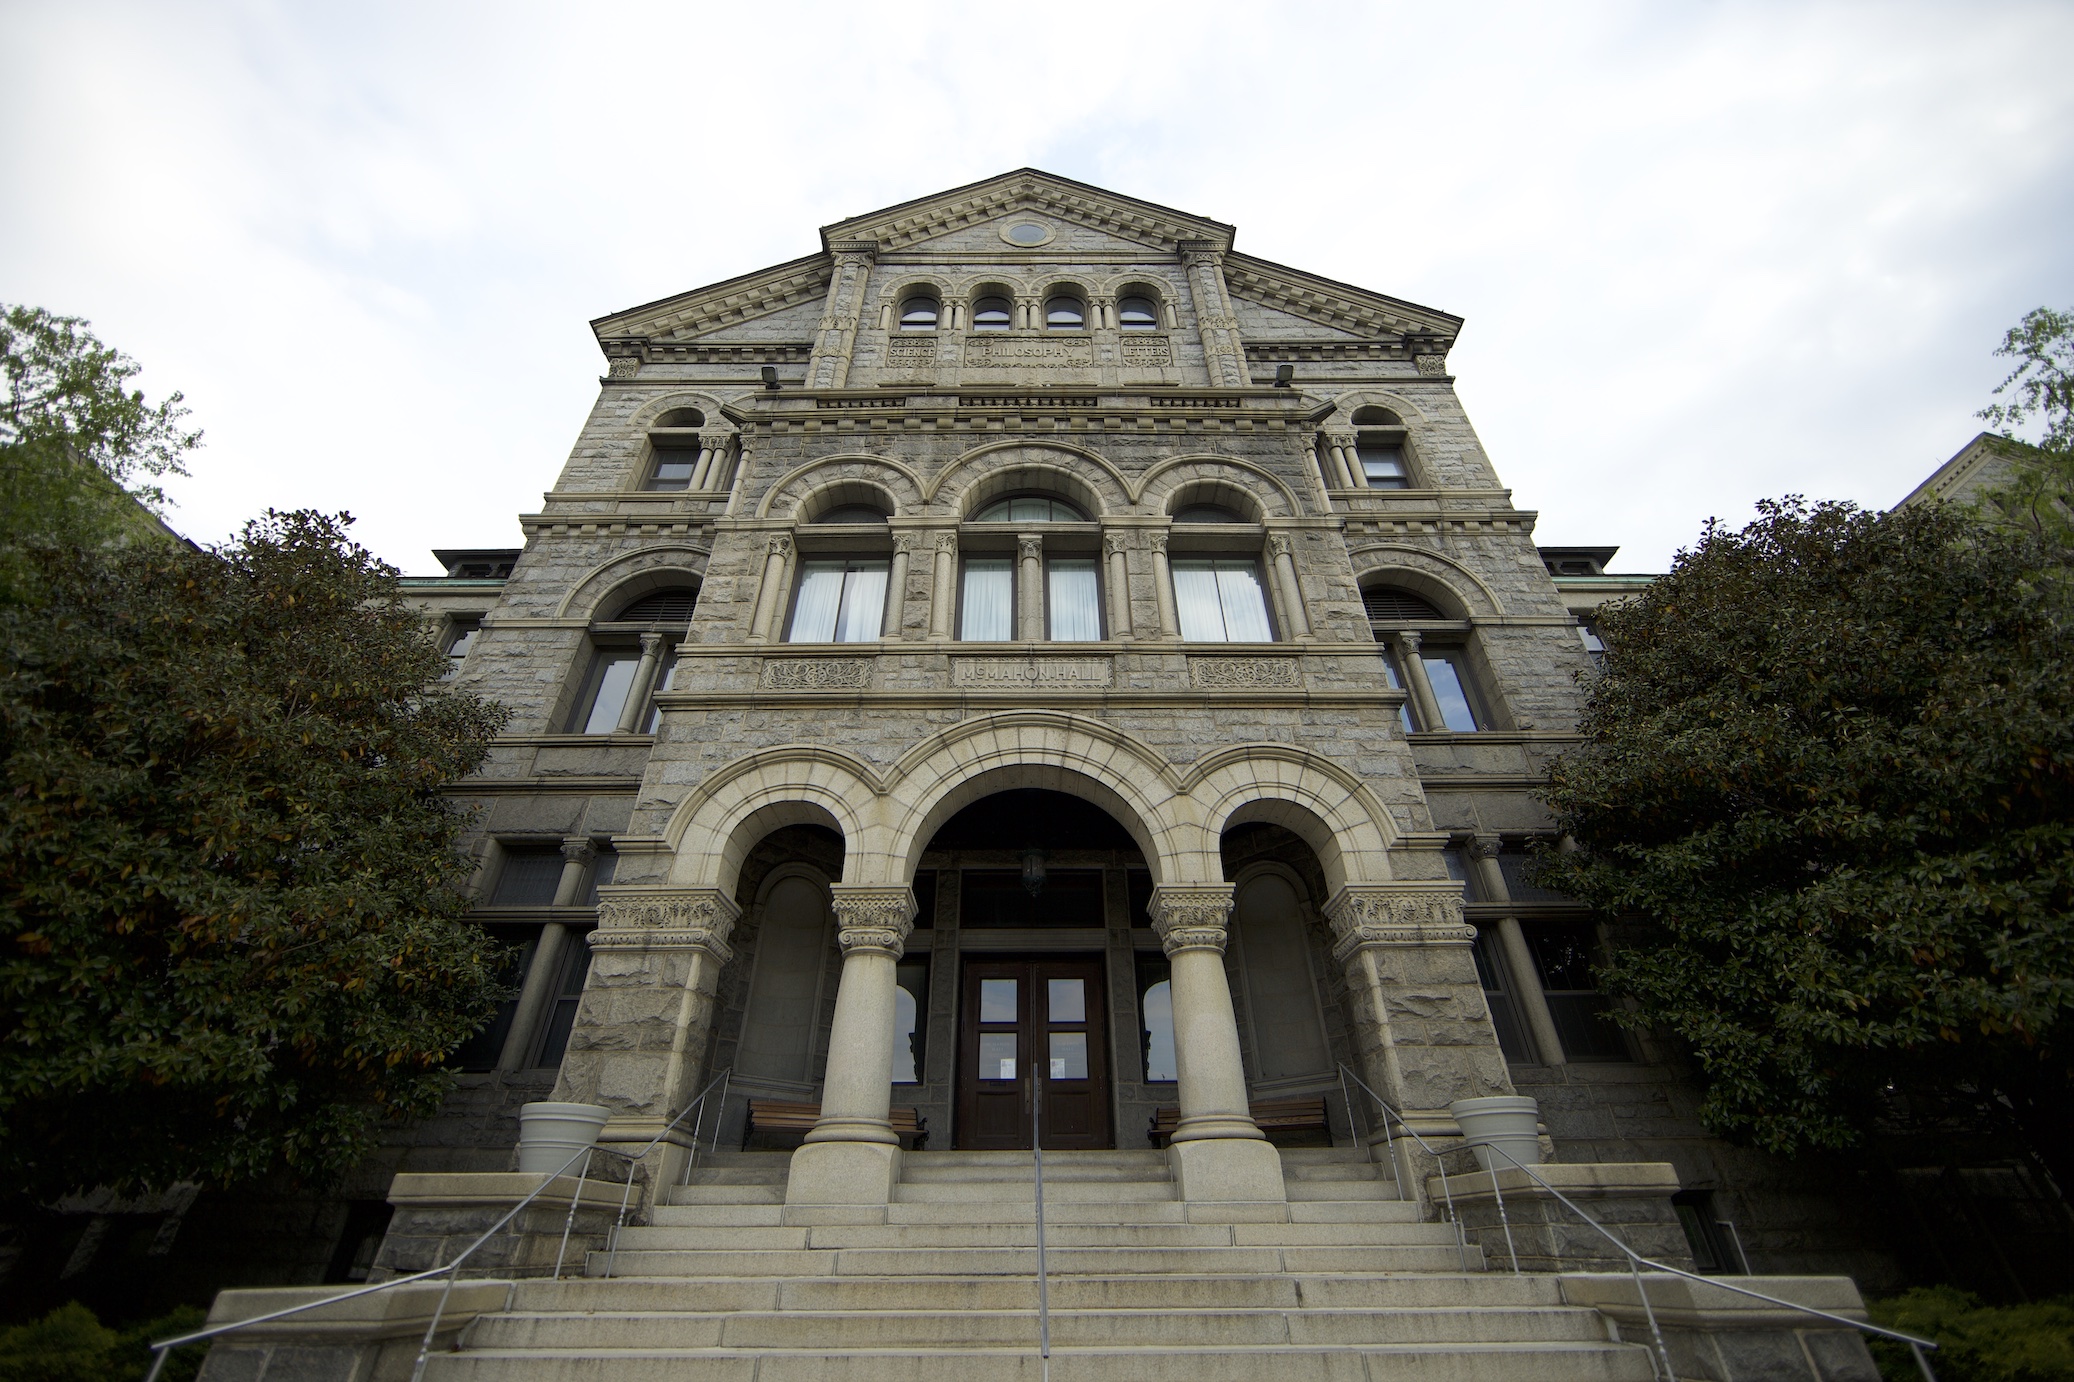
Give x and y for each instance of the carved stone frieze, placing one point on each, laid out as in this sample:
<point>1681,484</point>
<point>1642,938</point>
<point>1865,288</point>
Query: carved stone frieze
<point>623,366</point>
<point>1430,364</point>
<point>1241,673</point>
<point>817,673</point>
<point>1191,916</point>
<point>679,919</point>
<point>915,353</point>
<point>873,918</point>
<point>1023,672</point>
<point>1396,914</point>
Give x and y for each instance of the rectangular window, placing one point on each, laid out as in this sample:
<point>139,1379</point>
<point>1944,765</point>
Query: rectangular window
<point>1396,679</point>
<point>480,1052</point>
<point>1220,600</point>
<point>1383,466</point>
<point>1594,646</point>
<point>665,679</point>
<point>839,602</point>
<point>612,677</point>
<point>1511,1028</point>
<point>1564,953</point>
<point>1076,601</point>
<point>561,1015</point>
<point>987,611</point>
<point>673,467</point>
<point>528,877</point>
<point>460,638</point>
<point>1448,672</point>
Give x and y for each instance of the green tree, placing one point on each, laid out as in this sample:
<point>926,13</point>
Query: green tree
<point>1827,785</point>
<point>2039,492</point>
<point>80,451</point>
<point>229,886</point>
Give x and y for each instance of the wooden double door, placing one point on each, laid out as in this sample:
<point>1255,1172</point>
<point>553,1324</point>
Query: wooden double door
<point>1032,1030</point>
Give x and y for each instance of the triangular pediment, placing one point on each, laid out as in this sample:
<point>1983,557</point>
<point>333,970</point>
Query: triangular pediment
<point>721,309</point>
<point>975,211</point>
<point>1274,301</point>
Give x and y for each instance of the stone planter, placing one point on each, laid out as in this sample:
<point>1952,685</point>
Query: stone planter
<point>1507,1121</point>
<point>551,1133</point>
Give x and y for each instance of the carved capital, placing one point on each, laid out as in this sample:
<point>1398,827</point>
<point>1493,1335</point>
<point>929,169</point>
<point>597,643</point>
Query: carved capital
<point>1030,545</point>
<point>1364,915</point>
<point>781,545</point>
<point>1430,364</point>
<point>673,919</point>
<point>623,366</point>
<point>1159,543</point>
<point>579,850</point>
<point>651,645</point>
<point>1115,543</point>
<point>1340,439</point>
<point>947,543</point>
<point>872,918</point>
<point>1408,641</point>
<point>1278,545</point>
<point>1483,847</point>
<point>1191,916</point>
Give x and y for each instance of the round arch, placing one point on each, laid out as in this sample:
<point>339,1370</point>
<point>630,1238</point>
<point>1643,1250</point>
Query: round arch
<point>1345,406</point>
<point>714,827</point>
<point>710,404</point>
<point>798,489</point>
<point>1172,482</point>
<point>1345,826</point>
<point>1456,591</point>
<point>631,574</point>
<point>1079,475</point>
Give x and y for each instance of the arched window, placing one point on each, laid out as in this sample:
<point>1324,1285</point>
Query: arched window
<point>1029,508</point>
<point>622,681</point>
<point>1373,416</point>
<point>1206,513</point>
<point>1392,605</point>
<point>672,605</point>
<point>993,314</point>
<point>919,313</point>
<point>852,513</point>
<point>1137,314</point>
<point>1065,313</point>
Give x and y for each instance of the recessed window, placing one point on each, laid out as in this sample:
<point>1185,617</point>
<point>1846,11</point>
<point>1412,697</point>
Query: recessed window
<point>1137,314</point>
<point>670,605</point>
<point>1390,605</point>
<point>1029,508</point>
<point>919,313</point>
<point>682,417</point>
<point>1382,465</point>
<point>986,613</point>
<point>839,602</point>
<point>460,638</point>
<point>530,876</point>
<point>673,467</point>
<point>611,682</point>
<point>993,314</point>
<point>1065,314</point>
<point>1206,513</point>
<point>1594,646</point>
<point>1447,670</point>
<point>853,513</point>
<point>1075,600</point>
<point>1219,600</point>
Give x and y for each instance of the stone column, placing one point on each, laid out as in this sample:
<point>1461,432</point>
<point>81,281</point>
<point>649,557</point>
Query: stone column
<point>647,1006</point>
<point>1295,623</point>
<point>1419,1016</point>
<point>1335,464</point>
<point>944,602</point>
<point>1422,698</point>
<point>1346,456</point>
<point>703,469</point>
<point>896,588</point>
<point>712,471</point>
<point>770,592</point>
<point>1163,587</point>
<point>538,989</point>
<point>1519,960</point>
<point>636,708</point>
<point>1119,586</point>
<point>1217,1152</point>
<point>852,1157</point>
<point>1029,588</point>
<point>829,366</point>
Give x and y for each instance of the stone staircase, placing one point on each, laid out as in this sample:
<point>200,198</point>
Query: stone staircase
<point>726,1284</point>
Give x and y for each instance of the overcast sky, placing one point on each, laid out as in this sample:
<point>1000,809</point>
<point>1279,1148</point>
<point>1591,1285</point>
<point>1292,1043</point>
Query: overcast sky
<point>1707,252</point>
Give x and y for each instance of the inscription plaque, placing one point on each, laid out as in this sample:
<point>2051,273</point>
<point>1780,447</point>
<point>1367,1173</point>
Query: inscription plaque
<point>1028,352</point>
<point>1026,672</point>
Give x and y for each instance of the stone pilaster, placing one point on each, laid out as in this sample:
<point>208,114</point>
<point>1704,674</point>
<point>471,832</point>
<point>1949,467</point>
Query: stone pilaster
<point>836,340</point>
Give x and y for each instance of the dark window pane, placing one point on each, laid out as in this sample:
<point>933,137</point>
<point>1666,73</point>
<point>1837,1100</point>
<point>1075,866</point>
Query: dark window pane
<point>1565,951</point>
<point>602,869</point>
<point>528,877</point>
<point>925,900</point>
<point>1137,314</point>
<point>576,965</point>
<point>1518,866</point>
<point>480,1051</point>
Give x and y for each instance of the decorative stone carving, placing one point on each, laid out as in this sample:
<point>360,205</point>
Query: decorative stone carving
<point>1240,673</point>
<point>687,919</point>
<point>579,851</point>
<point>817,673</point>
<point>911,352</point>
<point>1147,351</point>
<point>1191,916</point>
<point>947,544</point>
<point>1030,352</point>
<point>1030,546</point>
<point>872,918</point>
<point>1026,672</point>
<point>781,546</point>
<point>1115,543</point>
<point>1278,545</point>
<point>623,366</point>
<point>1432,365</point>
<point>1396,914</point>
<point>1483,847</point>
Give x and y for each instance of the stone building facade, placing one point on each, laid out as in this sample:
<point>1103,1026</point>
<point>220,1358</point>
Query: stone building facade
<point>1029,630</point>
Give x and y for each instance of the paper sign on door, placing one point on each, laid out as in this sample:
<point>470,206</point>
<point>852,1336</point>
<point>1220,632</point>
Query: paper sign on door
<point>1007,1068</point>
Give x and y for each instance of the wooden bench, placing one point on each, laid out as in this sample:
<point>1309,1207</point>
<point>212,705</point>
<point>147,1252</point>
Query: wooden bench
<point>776,1116</point>
<point>1275,1116</point>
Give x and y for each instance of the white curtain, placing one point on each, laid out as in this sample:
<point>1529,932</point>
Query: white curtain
<point>864,603</point>
<point>820,596</point>
<point>988,609</point>
<point>1220,601</point>
<point>615,679</point>
<point>1076,602</point>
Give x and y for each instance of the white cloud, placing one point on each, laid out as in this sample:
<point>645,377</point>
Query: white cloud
<point>1707,253</point>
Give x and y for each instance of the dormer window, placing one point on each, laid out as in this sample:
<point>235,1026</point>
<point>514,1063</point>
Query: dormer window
<point>1029,508</point>
<point>992,314</point>
<point>919,313</point>
<point>1065,314</point>
<point>1137,314</point>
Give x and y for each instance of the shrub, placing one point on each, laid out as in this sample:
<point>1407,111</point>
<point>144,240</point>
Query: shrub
<point>1976,1342</point>
<point>70,1345</point>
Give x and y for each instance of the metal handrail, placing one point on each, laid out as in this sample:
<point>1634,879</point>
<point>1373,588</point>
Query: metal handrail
<point>451,1270</point>
<point>1043,1282</point>
<point>698,1101</point>
<point>1636,1261</point>
<point>1390,1150</point>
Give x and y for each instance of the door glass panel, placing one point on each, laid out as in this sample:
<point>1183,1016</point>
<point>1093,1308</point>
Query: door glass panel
<point>1068,1000</point>
<point>1068,1055</point>
<point>997,1000</point>
<point>997,1055</point>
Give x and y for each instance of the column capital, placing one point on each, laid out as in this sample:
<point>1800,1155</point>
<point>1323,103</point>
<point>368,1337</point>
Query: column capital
<point>1345,439</point>
<point>578,849</point>
<point>651,644</point>
<point>1115,543</point>
<point>1482,846</point>
<point>947,543</point>
<point>666,919</point>
<point>1279,545</point>
<point>1409,639</point>
<point>1158,541</point>
<point>781,545</point>
<point>1030,545</point>
<point>1413,912</point>
<point>873,917</point>
<point>1192,916</point>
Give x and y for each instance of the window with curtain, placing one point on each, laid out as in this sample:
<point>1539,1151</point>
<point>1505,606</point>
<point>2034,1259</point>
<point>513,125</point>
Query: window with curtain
<point>839,602</point>
<point>1076,601</point>
<point>1029,508</point>
<point>1447,670</point>
<point>1220,600</point>
<point>987,611</point>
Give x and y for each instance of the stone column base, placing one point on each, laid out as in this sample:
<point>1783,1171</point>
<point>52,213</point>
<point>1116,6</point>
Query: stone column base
<point>844,1173</point>
<point>1718,1335</point>
<point>1228,1171</point>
